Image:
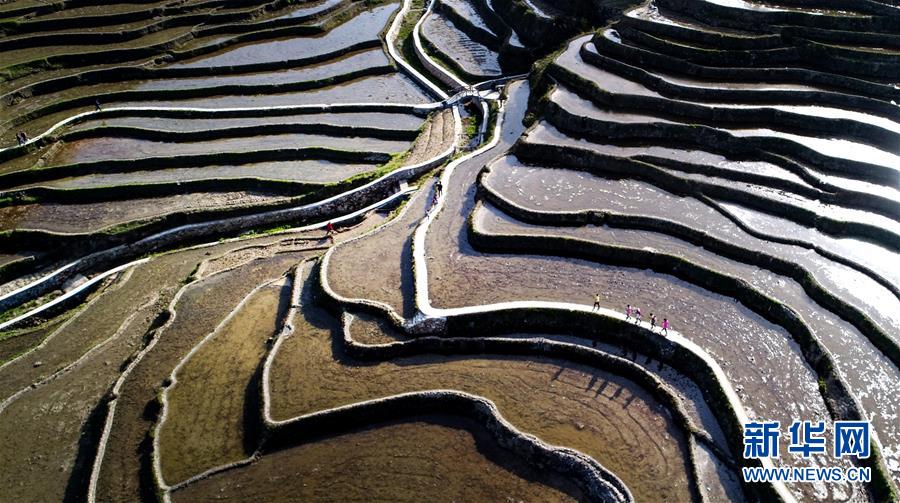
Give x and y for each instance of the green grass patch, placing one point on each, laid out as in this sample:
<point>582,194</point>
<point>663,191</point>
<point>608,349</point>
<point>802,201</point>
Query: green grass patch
<point>470,127</point>
<point>28,306</point>
<point>17,199</point>
<point>407,45</point>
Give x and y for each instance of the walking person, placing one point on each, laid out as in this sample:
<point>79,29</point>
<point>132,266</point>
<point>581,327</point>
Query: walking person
<point>19,138</point>
<point>665,326</point>
<point>637,315</point>
<point>22,137</point>
<point>596,303</point>
<point>627,312</point>
<point>652,322</point>
<point>97,104</point>
<point>329,231</point>
<point>438,188</point>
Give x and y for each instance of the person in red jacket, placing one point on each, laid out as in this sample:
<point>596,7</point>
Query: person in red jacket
<point>329,231</point>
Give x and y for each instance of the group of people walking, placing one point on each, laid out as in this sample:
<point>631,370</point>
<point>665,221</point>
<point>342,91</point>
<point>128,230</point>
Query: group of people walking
<point>634,313</point>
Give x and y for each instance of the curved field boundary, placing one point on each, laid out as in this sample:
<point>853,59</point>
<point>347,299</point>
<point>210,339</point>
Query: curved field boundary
<point>890,40</point>
<point>818,293</point>
<point>130,191</point>
<point>38,175</point>
<point>512,53</point>
<point>227,22</point>
<point>597,482</point>
<point>172,381</point>
<point>594,162</point>
<point>140,133</point>
<point>287,331</point>
<point>202,270</point>
<point>679,128</point>
<point>435,69</point>
<point>55,332</point>
<point>83,358</point>
<point>162,322</point>
<point>644,58</point>
<point>714,93</point>
<point>70,294</point>
<point>449,61</point>
<point>726,16</point>
<point>200,112</point>
<point>52,276</point>
<point>689,31</point>
<point>203,92</point>
<point>390,39</point>
<point>893,287</point>
<point>703,369</point>
<point>477,33</point>
<point>62,22</point>
<point>380,185</point>
<point>145,72</point>
<point>188,232</point>
<point>532,28</point>
<point>391,42</point>
<point>841,401</point>
<point>603,131</point>
<point>45,174</point>
<point>167,48</point>
<point>362,303</point>
<point>693,51</point>
<point>542,347</point>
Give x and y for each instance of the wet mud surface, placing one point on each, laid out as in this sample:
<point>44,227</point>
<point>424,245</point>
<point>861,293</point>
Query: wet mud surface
<point>435,457</point>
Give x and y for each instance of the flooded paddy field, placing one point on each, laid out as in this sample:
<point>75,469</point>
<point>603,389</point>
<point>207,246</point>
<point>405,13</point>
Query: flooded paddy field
<point>601,183</point>
<point>95,217</point>
<point>106,149</point>
<point>394,88</point>
<point>70,41</point>
<point>352,250</point>
<point>309,76</point>
<point>307,171</point>
<point>372,58</point>
<point>365,26</point>
<point>454,45</point>
<point>380,120</point>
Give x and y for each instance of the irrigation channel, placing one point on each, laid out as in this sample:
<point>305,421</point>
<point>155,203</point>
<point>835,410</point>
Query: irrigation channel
<point>348,249</point>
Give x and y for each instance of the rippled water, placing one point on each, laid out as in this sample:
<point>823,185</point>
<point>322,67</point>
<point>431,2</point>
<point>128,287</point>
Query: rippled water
<point>473,56</point>
<point>365,26</point>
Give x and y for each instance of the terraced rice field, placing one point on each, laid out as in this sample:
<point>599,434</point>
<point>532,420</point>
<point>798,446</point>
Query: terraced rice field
<point>354,250</point>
